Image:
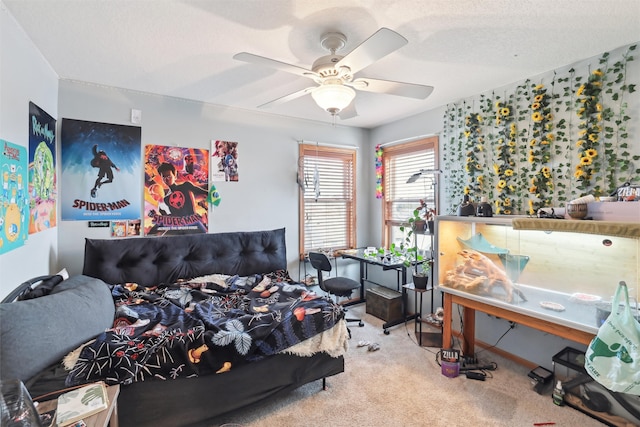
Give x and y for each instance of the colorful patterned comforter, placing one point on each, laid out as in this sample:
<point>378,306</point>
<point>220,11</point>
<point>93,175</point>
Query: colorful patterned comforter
<point>204,326</point>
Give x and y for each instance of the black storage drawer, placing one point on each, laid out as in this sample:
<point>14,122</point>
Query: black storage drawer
<point>384,303</point>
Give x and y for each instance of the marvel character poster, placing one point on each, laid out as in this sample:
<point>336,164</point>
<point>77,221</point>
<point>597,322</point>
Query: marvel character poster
<point>42,170</point>
<point>224,161</point>
<point>176,189</point>
<point>14,200</point>
<point>100,171</point>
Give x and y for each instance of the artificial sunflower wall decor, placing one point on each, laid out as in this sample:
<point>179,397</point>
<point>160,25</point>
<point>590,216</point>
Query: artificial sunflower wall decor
<point>504,165</point>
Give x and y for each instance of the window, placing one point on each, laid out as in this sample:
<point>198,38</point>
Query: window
<point>328,220</point>
<point>400,162</point>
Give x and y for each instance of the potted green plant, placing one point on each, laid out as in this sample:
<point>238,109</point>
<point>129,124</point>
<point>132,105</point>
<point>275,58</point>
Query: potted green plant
<point>419,264</point>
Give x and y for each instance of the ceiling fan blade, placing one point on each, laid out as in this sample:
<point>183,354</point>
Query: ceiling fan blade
<point>380,44</point>
<point>287,98</point>
<point>349,112</point>
<point>409,90</point>
<point>272,63</point>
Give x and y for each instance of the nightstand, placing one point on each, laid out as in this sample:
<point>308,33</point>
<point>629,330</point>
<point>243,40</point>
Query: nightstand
<point>108,417</point>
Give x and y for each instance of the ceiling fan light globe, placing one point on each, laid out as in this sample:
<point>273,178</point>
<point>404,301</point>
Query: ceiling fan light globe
<point>333,97</point>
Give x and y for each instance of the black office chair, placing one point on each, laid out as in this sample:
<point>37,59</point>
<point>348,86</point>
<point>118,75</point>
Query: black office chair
<point>338,286</point>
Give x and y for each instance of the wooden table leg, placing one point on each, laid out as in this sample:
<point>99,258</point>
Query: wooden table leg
<point>447,320</point>
<point>468,331</point>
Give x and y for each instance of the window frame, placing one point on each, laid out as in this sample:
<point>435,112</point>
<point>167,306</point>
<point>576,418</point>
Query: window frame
<point>391,153</point>
<point>347,155</point>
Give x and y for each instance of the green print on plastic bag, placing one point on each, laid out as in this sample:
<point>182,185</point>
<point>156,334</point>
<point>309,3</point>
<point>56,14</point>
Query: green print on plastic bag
<point>602,349</point>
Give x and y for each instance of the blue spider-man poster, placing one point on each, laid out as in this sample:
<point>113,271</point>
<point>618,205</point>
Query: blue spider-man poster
<point>14,200</point>
<point>42,170</point>
<point>100,171</point>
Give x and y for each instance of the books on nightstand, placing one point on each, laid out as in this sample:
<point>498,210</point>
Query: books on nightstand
<point>81,403</point>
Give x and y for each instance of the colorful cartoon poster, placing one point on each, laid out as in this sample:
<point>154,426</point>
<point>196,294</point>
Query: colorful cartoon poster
<point>14,200</point>
<point>176,190</point>
<point>118,228</point>
<point>42,170</point>
<point>101,167</point>
<point>224,161</point>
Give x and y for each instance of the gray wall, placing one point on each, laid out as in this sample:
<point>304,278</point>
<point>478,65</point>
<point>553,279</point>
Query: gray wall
<point>24,76</point>
<point>529,344</point>
<point>266,195</point>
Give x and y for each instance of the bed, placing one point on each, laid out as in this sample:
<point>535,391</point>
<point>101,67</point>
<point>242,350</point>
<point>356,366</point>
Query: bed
<point>203,324</point>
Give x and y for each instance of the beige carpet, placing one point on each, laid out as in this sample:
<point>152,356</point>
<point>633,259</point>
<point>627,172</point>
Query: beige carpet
<point>401,385</point>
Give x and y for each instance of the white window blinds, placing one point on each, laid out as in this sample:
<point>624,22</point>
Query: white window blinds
<point>401,161</point>
<point>328,201</point>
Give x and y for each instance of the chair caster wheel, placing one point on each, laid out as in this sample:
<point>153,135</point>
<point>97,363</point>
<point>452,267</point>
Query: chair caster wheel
<point>386,332</point>
<point>361,324</point>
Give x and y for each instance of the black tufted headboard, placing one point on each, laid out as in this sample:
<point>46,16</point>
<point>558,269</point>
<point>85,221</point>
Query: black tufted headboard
<point>154,260</point>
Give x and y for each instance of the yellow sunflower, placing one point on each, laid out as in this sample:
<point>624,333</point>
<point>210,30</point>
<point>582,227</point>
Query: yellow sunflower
<point>580,90</point>
<point>537,116</point>
<point>585,160</point>
<point>535,106</point>
<point>533,189</point>
<point>533,142</point>
<point>593,137</point>
<point>502,183</point>
<point>538,98</point>
<point>591,152</point>
<point>508,172</point>
<point>597,72</point>
<point>505,111</point>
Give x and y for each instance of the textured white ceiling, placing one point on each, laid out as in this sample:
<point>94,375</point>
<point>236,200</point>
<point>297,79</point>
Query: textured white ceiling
<point>185,48</point>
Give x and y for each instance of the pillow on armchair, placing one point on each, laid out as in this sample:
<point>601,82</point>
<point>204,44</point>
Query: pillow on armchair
<point>39,332</point>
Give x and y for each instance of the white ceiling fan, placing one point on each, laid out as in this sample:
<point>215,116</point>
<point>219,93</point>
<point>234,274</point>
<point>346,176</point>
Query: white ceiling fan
<point>334,73</point>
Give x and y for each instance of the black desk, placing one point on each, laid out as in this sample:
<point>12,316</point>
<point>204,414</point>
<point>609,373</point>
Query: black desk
<point>365,262</point>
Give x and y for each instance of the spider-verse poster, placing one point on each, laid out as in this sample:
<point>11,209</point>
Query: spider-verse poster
<point>14,200</point>
<point>42,170</point>
<point>224,161</point>
<point>100,171</point>
<point>176,189</point>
